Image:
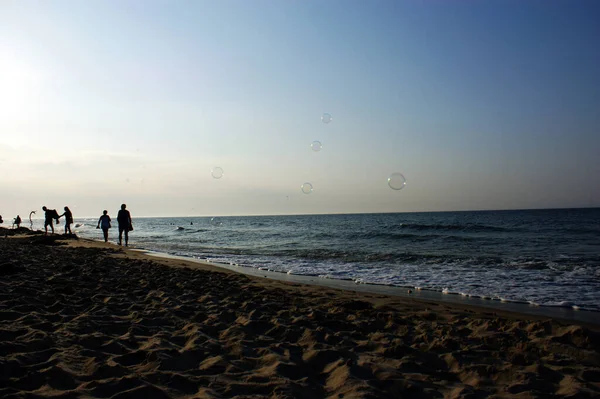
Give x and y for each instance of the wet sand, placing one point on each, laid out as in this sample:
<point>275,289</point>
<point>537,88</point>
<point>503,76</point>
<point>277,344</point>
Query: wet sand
<point>80,318</point>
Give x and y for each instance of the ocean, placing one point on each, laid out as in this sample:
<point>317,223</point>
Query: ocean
<point>540,257</point>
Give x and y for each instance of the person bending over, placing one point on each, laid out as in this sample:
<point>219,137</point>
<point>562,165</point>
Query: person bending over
<point>49,214</point>
<point>124,219</point>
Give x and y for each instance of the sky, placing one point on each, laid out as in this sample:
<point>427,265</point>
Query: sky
<point>479,104</point>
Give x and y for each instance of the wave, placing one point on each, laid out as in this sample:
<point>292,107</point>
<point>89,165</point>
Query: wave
<point>188,230</point>
<point>322,254</point>
<point>411,236</point>
<point>393,235</point>
<point>582,230</point>
<point>470,227</point>
<point>290,251</point>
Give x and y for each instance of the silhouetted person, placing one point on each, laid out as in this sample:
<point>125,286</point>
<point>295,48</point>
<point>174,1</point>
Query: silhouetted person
<point>1,221</point>
<point>104,222</point>
<point>48,216</point>
<point>68,219</point>
<point>124,219</point>
<point>18,221</point>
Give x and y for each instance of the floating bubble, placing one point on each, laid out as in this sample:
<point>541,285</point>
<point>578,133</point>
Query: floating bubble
<point>216,172</point>
<point>326,118</point>
<point>215,221</point>
<point>307,188</point>
<point>396,181</point>
<point>316,146</point>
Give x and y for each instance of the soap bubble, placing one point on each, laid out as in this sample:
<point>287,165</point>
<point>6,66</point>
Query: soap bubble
<point>316,146</point>
<point>326,118</point>
<point>396,181</point>
<point>215,221</point>
<point>307,188</point>
<point>216,172</point>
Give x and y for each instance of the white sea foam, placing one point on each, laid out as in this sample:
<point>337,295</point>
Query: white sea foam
<point>566,304</point>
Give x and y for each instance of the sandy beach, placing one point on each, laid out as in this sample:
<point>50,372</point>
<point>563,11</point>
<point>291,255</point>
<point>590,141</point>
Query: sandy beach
<point>80,318</point>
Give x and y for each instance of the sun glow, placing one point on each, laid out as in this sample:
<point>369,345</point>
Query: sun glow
<point>19,84</point>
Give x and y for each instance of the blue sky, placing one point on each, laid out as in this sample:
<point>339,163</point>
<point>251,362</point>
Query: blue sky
<point>480,104</point>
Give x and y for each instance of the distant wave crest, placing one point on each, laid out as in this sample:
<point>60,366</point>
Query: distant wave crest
<point>452,227</point>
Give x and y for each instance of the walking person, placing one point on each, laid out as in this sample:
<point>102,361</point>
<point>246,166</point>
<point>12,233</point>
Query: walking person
<point>124,219</point>
<point>17,221</point>
<point>104,222</point>
<point>68,219</point>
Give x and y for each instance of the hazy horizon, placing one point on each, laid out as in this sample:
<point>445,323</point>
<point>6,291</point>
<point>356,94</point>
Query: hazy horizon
<point>40,217</point>
<point>480,105</point>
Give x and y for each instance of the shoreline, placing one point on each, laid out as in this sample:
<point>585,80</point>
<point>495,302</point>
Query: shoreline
<point>589,318</point>
<point>566,314</point>
<point>569,314</point>
<point>432,264</point>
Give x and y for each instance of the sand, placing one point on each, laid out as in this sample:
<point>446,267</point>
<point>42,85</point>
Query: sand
<point>80,318</point>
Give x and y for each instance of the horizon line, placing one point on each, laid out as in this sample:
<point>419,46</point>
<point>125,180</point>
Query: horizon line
<point>350,213</point>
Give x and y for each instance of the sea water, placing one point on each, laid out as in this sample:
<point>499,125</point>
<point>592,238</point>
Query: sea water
<point>541,257</point>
